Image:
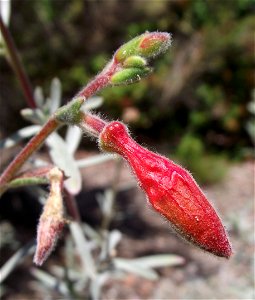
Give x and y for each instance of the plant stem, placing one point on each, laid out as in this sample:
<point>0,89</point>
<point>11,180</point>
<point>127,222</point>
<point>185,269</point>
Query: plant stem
<point>19,182</point>
<point>100,81</point>
<point>33,176</point>
<point>33,145</point>
<point>92,124</point>
<point>17,65</point>
<point>71,205</point>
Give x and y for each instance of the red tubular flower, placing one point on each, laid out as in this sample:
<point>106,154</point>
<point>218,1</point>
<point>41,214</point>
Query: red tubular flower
<point>171,190</point>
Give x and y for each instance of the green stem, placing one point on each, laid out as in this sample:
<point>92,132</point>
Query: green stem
<point>33,145</point>
<point>17,65</point>
<point>18,182</point>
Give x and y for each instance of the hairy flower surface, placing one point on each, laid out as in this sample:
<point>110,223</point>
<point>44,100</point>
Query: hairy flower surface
<point>171,190</point>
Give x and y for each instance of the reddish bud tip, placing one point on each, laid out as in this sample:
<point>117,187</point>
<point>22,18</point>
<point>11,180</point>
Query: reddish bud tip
<point>48,233</point>
<point>147,45</point>
<point>171,190</point>
<point>51,221</point>
<point>154,38</point>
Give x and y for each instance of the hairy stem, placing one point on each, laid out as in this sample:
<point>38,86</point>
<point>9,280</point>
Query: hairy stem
<point>92,124</point>
<point>17,65</point>
<point>25,181</point>
<point>100,81</point>
<point>33,145</point>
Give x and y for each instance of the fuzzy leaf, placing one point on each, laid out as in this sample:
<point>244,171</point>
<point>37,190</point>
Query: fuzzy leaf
<point>19,136</point>
<point>161,260</point>
<point>128,266</point>
<point>66,162</point>
<point>73,138</point>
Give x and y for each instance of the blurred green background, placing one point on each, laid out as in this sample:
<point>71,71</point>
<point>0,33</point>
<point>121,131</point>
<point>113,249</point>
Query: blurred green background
<point>194,107</point>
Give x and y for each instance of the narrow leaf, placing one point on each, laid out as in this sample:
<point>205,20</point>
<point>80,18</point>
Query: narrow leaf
<point>16,260</point>
<point>83,249</point>
<point>92,103</point>
<point>73,138</point>
<point>94,160</point>
<point>65,161</point>
<point>161,260</point>
<point>50,281</point>
<point>55,95</point>
<point>19,136</point>
<point>128,266</point>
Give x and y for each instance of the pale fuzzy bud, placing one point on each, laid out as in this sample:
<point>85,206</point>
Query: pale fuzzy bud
<point>52,219</point>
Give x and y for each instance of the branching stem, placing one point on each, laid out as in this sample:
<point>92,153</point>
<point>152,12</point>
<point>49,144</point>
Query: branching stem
<point>33,145</point>
<point>100,81</point>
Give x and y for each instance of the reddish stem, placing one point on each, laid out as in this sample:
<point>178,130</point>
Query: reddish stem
<point>100,81</point>
<point>17,65</point>
<point>92,124</point>
<point>71,205</point>
<point>33,145</point>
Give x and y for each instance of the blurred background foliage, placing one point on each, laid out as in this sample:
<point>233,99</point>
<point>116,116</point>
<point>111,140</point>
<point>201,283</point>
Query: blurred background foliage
<point>194,107</point>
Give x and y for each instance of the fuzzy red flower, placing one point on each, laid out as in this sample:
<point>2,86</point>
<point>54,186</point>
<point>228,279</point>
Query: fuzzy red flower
<point>171,190</point>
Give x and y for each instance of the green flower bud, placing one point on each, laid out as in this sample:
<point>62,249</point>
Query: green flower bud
<point>134,61</point>
<point>129,75</point>
<point>147,45</point>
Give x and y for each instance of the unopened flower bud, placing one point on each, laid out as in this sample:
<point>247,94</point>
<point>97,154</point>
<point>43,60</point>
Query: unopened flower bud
<point>51,221</point>
<point>171,190</point>
<point>147,45</point>
<point>135,61</point>
<point>129,75</point>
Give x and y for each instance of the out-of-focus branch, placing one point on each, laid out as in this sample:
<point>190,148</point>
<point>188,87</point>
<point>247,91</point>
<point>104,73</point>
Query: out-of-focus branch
<point>17,65</point>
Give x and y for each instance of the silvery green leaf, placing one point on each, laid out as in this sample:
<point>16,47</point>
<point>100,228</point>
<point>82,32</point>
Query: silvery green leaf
<point>96,285</point>
<point>33,115</point>
<point>106,201</point>
<point>160,260</point>
<point>94,160</point>
<point>15,260</point>
<point>127,265</point>
<point>60,272</point>
<point>38,162</point>
<point>19,136</point>
<point>73,138</point>
<point>91,233</point>
<point>38,96</point>
<point>65,161</point>
<point>109,242</point>
<point>55,95</point>
<point>5,13</point>
<point>114,239</point>
<point>50,281</point>
<point>92,103</point>
<point>83,249</point>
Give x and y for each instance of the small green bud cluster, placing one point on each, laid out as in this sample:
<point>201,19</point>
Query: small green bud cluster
<point>133,56</point>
